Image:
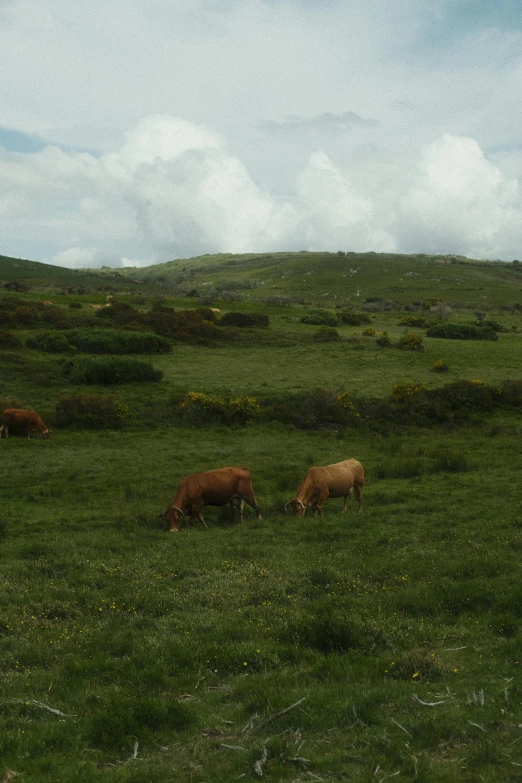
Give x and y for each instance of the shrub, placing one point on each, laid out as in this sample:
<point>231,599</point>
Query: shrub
<point>94,411</point>
<point>206,313</point>
<point>369,331</point>
<point>109,371</point>
<point>51,341</point>
<point>245,319</point>
<point>413,320</point>
<point>383,340</point>
<point>319,317</point>
<point>410,342</point>
<point>440,366</point>
<point>117,341</point>
<point>8,342</point>
<point>404,392</point>
<point>461,332</point>
<point>495,326</point>
<point>75,305</point>
<point>327,334</point>
<point>315,409</point>
<point>200,410</point>
<point>354,319</point>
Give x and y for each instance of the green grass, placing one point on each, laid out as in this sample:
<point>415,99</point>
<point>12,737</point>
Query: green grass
<point>180,641</point>
<point>173,656</point>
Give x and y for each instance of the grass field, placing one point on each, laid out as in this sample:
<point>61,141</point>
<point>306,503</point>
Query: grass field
<point>357,647</point>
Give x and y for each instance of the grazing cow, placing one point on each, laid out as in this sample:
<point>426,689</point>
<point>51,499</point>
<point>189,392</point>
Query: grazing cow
<point>215,310</point>
<point>109,298</point>
<point>12,418</point>
<point>211,488</point>
<point>46,302</point>
<point>340,480</point>
<point>96,307</point>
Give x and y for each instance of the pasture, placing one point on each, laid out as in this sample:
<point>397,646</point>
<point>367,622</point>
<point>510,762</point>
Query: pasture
<point>357,647</point>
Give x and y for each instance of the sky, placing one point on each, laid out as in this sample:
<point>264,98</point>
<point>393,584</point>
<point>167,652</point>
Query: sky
<point>133,134</point>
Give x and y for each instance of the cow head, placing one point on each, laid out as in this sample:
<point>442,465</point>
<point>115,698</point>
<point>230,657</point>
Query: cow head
<point>173,516</point>
<point>46,434</point>
<point>295,507</point>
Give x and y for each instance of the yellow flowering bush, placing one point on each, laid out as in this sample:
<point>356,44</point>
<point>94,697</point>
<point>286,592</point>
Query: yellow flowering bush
<point>198,409</point>
<point>404,392</point>
<point>348,405</point>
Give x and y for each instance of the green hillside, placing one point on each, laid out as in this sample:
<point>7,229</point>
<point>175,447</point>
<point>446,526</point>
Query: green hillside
<point>335,277</point>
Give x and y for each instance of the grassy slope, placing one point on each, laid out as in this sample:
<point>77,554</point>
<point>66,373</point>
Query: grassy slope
<point>181,642</point>
<point>328,276</point>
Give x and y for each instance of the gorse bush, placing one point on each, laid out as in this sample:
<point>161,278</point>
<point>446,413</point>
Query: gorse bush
<point>440,366</point>
<point>90,411</point>
<point>461,332</point>
<point>116,341</point>
<point>8,342</point>
<point>413,320</point>
<point>315,409</point>
<point>319,317</point>
<point>51,341</point>
<point>383,340</point>
<point>410,342</point>
<point>404,392</point>
<point>203,410</point>
<point>327,334</point>
<point>109,371</point>
<point>354,319</point>
<point>245,319</point>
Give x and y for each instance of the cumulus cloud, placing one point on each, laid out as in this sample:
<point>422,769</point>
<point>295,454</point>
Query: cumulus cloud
<point>460,202</point>
<point>173,189</point>
<point>327,122</point>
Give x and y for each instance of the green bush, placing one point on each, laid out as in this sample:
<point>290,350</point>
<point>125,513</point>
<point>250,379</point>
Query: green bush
<point>204,410</point>
<point>384,340</point>
<point>413,320</point>
<point>117,341</point>
<point>327,334</point>
<point>51,341</point>
<point>109,371</point>
<point>245,319</point>
<point>451,331</point>
<point>410,342</point>
<point>8,342</point>
<point>75,305</point>
<point>315,409</point>
<point>354,319</point>
<point>319,317</point>
<point>90,411</point>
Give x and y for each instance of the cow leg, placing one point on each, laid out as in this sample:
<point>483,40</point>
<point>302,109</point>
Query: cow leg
<point>6,429</point>
<point>2,431</point>
<point>250,498</point>
<point>196,512</point>
<point>238,503</point>
<point>319,499</point>
<point>346,501</point>
<point>358,495</point>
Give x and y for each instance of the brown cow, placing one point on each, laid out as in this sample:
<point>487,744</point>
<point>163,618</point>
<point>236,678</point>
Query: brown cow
<point>96,306</point>
<point>46,302</point>
<point>339,480</point>
<point>211,488</point>
<point>12,418</point>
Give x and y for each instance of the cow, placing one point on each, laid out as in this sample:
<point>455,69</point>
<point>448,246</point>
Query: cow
<point>46,302</point>
<point>96,306</point>
<point>211,488</point>
<point>339,480</point>
<point>215,310</point>
<point>12,418</point>
<point>109,298</point>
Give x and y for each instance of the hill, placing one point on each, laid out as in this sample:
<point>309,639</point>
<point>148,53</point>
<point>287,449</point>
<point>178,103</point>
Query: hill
<point>336,277</point>
<point>306,277</point>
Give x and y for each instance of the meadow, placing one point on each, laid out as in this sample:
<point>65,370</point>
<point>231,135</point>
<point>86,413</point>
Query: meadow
<point>356,647</point>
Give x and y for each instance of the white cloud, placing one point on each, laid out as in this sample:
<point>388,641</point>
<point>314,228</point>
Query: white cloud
<point>174,101</point>
<point>460,202</point>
